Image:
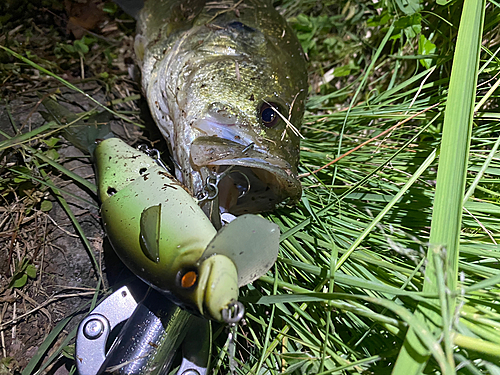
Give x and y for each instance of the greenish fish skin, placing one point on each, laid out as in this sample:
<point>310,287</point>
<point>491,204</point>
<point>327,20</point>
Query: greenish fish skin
<point>209,71</point>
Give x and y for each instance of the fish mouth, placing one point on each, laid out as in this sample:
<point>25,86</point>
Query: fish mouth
<point>248,180</point>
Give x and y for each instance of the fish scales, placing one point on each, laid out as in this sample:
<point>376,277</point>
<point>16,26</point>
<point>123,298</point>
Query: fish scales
<point>215,75</point>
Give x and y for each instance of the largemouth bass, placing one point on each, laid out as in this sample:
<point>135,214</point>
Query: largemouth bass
<point>226,83</point>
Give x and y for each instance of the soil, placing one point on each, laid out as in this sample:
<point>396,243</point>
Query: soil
<point>34,226</point>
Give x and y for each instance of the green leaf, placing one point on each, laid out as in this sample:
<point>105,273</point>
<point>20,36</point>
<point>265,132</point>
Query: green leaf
<point>80,47</point>
<point>426,47</point>
<point>382,20</point>
<point>88,40</point>
<point>19,280</point>
<point>18,180</point>
<point>408,6</point>
<point>68,48</point>
<point>52,154</point>
<point>69,351</point>
<point>24,174</point>
<point>51,142</point>
<point>46,206</point>
<point>31,271</point>
<point>110,7</point>
<point>346,69</point>
<point>411,25</point>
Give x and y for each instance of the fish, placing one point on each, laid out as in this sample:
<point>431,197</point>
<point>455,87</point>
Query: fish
<point>226,83</point>
<point>157,228</point>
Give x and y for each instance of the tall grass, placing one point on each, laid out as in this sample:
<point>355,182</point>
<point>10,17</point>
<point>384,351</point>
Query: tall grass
<point>363,234</point>
<point>441,274</point>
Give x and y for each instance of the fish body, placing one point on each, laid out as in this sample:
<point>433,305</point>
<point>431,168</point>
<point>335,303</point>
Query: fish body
<point>226,83</point>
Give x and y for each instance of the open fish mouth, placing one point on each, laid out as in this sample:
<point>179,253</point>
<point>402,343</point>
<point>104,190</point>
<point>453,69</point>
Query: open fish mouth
<point>248,180</point>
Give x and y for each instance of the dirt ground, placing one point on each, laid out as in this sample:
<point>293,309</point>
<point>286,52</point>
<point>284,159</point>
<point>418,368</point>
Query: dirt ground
<point>58,278</point>
<point>65,278</point>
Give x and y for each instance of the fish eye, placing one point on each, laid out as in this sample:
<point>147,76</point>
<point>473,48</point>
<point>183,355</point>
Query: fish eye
<point>269,114</point>
<point>187,278</point>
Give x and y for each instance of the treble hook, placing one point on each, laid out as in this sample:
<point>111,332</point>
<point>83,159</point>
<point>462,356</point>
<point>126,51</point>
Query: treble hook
<point>211,188</point>
<point>154,154</point>
<point>232,315</point>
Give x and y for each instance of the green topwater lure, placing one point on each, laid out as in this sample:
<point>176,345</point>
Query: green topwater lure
<point>161,234</point>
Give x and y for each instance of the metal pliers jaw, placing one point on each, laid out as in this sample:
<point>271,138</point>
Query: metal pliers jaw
<point>154,330</point>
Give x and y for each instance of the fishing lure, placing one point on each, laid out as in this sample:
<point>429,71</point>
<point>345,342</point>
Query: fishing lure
<point>158,230</point>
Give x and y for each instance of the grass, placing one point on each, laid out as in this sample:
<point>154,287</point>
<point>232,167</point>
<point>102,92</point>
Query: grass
<point>450,189</point>
<point>389,264</point>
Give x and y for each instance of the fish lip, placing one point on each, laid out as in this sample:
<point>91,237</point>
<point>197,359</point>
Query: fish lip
<point>272,179</point>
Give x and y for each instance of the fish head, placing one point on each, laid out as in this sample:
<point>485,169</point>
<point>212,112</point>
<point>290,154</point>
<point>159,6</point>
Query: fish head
<point>235,91</point>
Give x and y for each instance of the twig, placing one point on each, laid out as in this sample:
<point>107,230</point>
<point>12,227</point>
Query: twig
<point>368,141</point>
<point>59,227</point>
<point>482,226</point>
<point>47,302</point>
<point>2,335</point>
<point>34,303</point>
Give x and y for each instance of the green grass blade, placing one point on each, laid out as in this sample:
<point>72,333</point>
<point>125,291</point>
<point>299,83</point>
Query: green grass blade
<point>56,354</point>
<point>78,179</point>
<point>76,224</point>
<point>14,141</point>
<point>360,87</point>
<point>51,185</point>
<point>268,331</point>
<point>481,172</point>
<point>477,345</point>
<point>452,170</point>
<point>28,137</point>
<point>46,345</point>
<point>386,209</point>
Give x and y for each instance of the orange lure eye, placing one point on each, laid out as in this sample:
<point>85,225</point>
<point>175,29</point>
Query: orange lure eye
<point>189,279</point>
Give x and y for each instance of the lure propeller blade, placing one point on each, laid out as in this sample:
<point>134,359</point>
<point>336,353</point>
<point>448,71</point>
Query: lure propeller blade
<point>251,242</point>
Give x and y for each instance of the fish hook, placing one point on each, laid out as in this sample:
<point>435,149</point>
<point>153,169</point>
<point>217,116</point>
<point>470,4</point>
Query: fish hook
<point>244,192</point>
<point>229,171</point>
<point>154,154</point>
<point>232,315</point>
